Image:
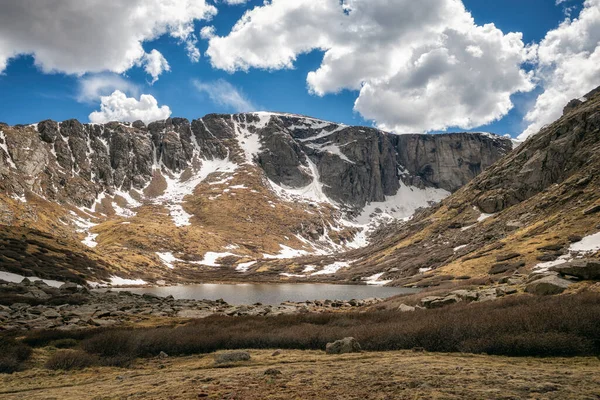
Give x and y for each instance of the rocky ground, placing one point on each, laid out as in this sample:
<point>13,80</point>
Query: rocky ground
<point>316,375</point>
<point>39,306</point>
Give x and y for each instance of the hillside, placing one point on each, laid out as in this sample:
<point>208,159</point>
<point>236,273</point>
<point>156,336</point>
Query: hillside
<point>537,207</point>
<point>224,197</point>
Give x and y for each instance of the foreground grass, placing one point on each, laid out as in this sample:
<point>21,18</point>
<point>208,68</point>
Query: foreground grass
<point>518,326</point>
<point>317,376</point>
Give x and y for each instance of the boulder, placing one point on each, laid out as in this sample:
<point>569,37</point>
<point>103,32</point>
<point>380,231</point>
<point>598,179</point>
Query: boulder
<point>343,346</point>
<point>583,269</point>
<point>547,285</point>
<point>231,357</point>
<point>426,301</point>
<point>466,295</point>
<point>487,295</point>
<point>405,308</point>
<point>450,299</point>
<point>69,287</point>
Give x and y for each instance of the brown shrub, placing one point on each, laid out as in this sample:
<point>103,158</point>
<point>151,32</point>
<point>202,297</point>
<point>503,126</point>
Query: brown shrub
<point>12,355</point>
<point>70,359</point>
<point>515,326</point>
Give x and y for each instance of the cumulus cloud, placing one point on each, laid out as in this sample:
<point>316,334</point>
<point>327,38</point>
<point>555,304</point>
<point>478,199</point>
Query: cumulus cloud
<point>155,64</point>
<point>119,107</point>
<point>87,36</point>
<point>225,94</point>
<point>92,87</point>
<point>567,66</point>
<point>417,65</point>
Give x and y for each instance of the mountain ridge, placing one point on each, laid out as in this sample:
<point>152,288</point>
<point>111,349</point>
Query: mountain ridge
<point>221,179</point>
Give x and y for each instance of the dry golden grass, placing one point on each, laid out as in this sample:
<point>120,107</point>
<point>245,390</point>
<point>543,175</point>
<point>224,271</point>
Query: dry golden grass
<point>315,375</point>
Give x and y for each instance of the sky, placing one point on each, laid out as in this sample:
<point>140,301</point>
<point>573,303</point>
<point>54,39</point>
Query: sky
<point>404,66</point>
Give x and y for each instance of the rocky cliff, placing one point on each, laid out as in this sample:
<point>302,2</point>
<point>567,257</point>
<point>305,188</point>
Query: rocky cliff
<point>238,189</point>
<point>533,210</point>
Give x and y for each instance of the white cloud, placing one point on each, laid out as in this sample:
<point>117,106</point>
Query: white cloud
<point>225,94</point>
<point>237,2</point>
<point>568,66</point>
<point>207,32</point>
<point>418,65</point>
<point>119,107</point>
<point>155,64</point>
<point>90,36</point>
<point>92,87</point>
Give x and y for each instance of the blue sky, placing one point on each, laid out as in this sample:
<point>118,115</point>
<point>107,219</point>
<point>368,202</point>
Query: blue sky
<point>28,95</point>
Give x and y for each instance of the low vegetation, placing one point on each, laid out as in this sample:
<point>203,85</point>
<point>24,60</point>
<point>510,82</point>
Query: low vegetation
<point>12,355</point>
<point>519,326</point>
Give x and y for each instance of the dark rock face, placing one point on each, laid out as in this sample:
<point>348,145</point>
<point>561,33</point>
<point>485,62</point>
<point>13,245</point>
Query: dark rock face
<point>74,162</point>
<point>549,157</point>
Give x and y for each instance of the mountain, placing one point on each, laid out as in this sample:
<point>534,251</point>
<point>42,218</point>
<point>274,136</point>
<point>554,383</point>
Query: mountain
<point>537,207</point>
<point>221,197</point>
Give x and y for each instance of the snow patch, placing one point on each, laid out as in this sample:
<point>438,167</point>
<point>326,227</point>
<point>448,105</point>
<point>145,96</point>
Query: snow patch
<point>332,268</point>
<point>286,252</point>
<point>374,280</point>
<point>313,192</point>
<point>168,259</point>
<point>116,281</point>
<point>210,258</point>
<point>178,189</point>
<point>588,244</point>
<point>90,240</point>
<point>460,247</point>
<point>402,205</point>
<point>243,267</point>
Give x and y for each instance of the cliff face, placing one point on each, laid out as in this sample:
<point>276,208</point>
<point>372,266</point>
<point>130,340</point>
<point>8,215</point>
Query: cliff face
<point>537,207</point>
<point>224,190</point>
<point>70,161</point>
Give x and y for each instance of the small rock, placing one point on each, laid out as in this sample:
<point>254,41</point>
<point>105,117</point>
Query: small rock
<point>230,357</point>
<point>163,355</point>
<point>592,210</point>
<point>276,353</point>
<point>272,372</point>
<point>574,238</point>
<point>506,257</point>
<point>51,314</point>
<point>343,346</point>
<point>551,247</point>
<point>68,287</point>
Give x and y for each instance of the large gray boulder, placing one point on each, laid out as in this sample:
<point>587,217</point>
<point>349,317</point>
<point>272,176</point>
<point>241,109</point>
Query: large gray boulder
<point>583,269</point>
<point>343,346</point>
<point>547,285</point>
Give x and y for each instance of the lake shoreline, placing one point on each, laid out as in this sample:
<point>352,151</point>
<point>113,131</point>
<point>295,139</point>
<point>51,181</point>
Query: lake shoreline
<point>38,306</point>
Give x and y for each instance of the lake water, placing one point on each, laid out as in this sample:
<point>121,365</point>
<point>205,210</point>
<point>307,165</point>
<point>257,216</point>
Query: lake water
<point>273,294</point>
